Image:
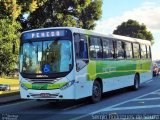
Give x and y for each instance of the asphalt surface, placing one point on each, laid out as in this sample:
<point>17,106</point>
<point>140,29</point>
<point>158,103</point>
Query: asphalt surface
<point>10,97</point>
<point>123,104</point>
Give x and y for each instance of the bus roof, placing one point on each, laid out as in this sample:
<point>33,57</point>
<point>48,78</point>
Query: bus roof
<point>89,32</point>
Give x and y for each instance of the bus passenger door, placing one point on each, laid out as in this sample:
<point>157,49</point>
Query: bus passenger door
<point>81,56</point>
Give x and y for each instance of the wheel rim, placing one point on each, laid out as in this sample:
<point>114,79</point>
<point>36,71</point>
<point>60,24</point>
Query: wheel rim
<point>96,91</point>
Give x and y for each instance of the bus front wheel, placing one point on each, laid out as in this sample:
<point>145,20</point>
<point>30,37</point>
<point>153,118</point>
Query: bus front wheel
<point>96,92</point>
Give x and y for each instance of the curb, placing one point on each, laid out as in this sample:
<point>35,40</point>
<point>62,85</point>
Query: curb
<point>10,94</point>
<point>10,98</point>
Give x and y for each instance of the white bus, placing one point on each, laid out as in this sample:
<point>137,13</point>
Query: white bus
<point>65,63</point>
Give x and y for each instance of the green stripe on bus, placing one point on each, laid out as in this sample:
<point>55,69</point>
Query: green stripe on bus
<point>44,86</point>
<point>115,68</point>
<point>92,70</point>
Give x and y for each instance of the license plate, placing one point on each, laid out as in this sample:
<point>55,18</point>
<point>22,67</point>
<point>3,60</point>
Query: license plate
<point>45,95</point>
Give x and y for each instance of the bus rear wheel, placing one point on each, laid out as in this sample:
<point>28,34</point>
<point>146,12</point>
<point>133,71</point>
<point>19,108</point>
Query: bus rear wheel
<point>136,82</point>
<point>96,92</point>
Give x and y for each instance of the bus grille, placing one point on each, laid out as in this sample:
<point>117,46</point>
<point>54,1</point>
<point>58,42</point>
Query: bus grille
<point>43,80</point>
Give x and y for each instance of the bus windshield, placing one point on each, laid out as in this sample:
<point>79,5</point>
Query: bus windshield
<point>51,56</point>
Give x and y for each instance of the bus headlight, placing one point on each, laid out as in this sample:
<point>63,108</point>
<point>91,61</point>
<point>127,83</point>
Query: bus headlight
<point>67,85</point>
<point>24,87</point>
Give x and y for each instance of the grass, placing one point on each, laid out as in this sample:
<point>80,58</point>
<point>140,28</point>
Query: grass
<point>9,81</point>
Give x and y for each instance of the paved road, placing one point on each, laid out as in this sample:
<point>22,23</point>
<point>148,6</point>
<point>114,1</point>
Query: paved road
<point>119,105</point>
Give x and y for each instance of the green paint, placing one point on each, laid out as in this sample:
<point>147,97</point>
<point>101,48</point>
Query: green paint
<point>27,85</point>
<point>92,70</point>
<point>37,86</point>
<point>116,68</point>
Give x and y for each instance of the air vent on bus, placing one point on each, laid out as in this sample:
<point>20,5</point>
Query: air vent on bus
<point>43,80</point>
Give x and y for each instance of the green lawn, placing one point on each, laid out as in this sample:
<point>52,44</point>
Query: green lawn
<point>9,81</point>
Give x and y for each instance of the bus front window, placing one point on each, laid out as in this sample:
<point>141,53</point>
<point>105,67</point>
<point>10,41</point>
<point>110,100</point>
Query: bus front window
<point>46,57</point>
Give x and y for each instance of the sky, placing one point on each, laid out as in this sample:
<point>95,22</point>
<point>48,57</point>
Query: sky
<point>144,11</point>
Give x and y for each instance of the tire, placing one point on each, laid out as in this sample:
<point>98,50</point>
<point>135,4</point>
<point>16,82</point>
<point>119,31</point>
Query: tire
<point>136,82</point>
<point>154,74</point>
<point>96,92</point>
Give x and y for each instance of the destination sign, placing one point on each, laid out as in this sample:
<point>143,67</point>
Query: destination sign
<point>44,34</point>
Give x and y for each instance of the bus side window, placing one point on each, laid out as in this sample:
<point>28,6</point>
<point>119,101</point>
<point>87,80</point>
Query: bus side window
<point>143,51</point>
<point>95,48</point>
<point>128,50</point>
<point>136,50</point>
<point>150,52</point>
<point>120,50</point>
<point>81,47</point>
<point>81,51</point>
<point>108,52</point>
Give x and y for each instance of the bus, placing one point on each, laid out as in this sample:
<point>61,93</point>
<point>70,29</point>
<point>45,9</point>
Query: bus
<point>67,63</point>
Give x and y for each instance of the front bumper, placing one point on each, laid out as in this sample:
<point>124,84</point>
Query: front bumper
<point>67,93</point>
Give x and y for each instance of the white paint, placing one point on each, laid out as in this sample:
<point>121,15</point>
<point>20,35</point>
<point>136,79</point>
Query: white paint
<point>117,82</point>
<point>149,81</point>
<point>146,76</point>
<point>83,86</point>
<point>112,107</point>
<point>146,99</point>
<point>132,108</point>
<point>156,93</point>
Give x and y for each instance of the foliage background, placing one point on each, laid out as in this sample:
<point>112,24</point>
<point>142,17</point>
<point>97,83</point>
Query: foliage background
<point>133,28</point>
<point>51,13</point>
<point>42,13</point>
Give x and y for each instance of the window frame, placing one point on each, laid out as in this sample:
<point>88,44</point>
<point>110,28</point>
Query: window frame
<point>112,42</point>
<point>100,39</point>
<point>116,49</point>
<point>134,43</point>
<point>86,42</point>
<point>127,42</point>
<point>150,54</point>
<point>141,51</point>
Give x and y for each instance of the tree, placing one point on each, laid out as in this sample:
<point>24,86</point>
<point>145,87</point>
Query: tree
<point>9,35</point>
<point>10,10</point>
<point>9,42</point>
<point>133,29</point>
<point>54,13</point>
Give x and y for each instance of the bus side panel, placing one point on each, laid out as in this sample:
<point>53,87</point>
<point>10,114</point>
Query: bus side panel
<point>115,68</point>
<point>116,73</point>
<point>83,86</point>
<point>145,70</point>
<point>120,73</point>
